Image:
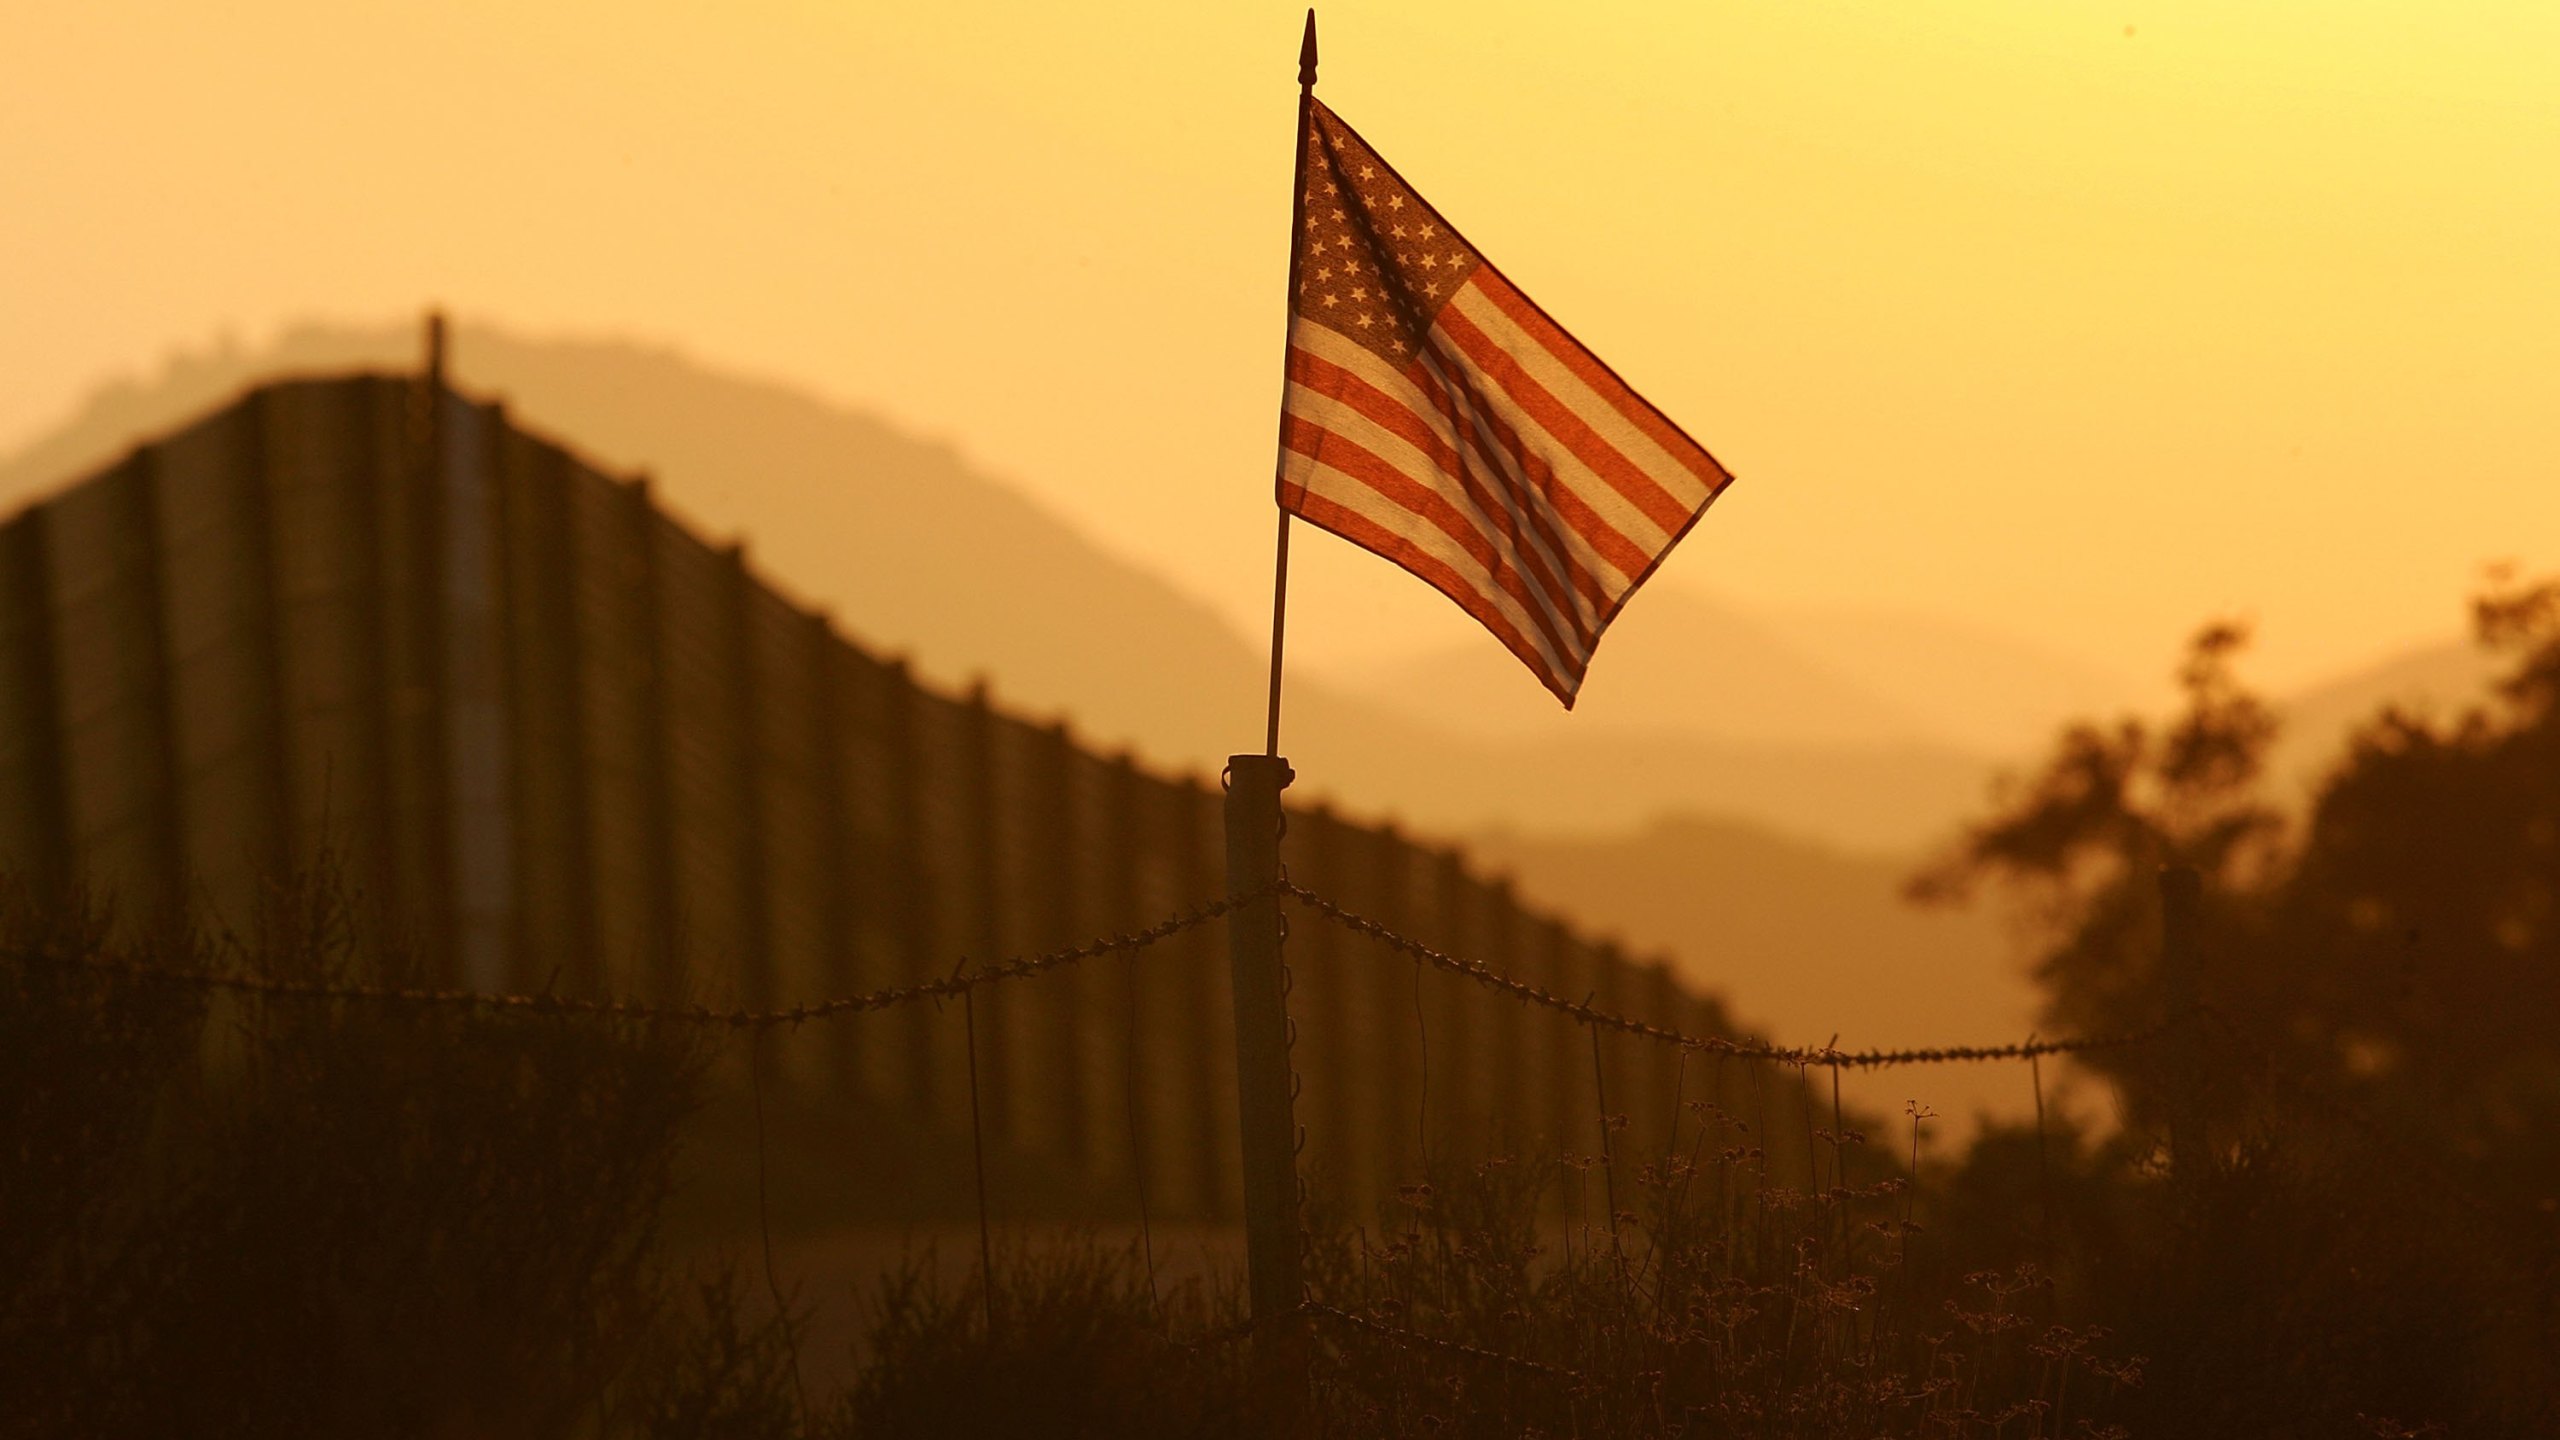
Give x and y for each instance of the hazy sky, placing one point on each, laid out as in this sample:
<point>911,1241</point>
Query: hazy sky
<point>2082,320</point>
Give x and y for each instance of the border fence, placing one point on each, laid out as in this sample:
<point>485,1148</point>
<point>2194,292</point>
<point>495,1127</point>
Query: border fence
<point>575,758</point>
<point>563,745</point>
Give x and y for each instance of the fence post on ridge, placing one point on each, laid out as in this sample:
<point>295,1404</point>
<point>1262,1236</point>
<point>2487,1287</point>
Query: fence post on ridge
<point>2181,894</point>
<point>1264,1124</point>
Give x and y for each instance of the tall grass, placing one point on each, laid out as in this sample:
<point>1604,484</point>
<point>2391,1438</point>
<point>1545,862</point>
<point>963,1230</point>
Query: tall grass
<point>285,1218</point>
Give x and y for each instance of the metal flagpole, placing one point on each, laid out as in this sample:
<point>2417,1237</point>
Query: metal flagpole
<point>1264,1124</point>
<point>1297,223</point>
<point>1279,608</point>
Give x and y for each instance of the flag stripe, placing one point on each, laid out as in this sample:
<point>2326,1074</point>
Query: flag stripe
<point>1572,432</point>
<point>1681,491</point>
<point>1418,391</point>
<point>1316,509</point>
<point>1424,519</point>
<point>1499,443</point>
<point>1569,526</point>
<point>1418,443</point>
<point>1539,336</point>
<point>1378,459</point>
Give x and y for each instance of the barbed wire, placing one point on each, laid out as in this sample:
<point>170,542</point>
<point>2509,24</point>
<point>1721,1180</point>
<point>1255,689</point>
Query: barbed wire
<point>958,983</point>
<point>1592,1015</point>
<point>968,978</point>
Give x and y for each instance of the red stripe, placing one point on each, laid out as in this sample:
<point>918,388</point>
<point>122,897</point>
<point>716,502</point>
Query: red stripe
<point>1569,429</point>
<point>1361,531</point>
<point>1501,512</point>
<point>1603,382</point>
<point>1352,459</point>
<point>1613,545</point>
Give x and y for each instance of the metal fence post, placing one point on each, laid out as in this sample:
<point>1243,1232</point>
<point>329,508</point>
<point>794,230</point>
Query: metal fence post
<point>1264,1124</point>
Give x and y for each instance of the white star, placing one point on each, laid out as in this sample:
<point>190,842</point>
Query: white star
<point>1368,172</point>
<point>1330,298</point>
<point>1364,318</point>
<point>1429,288</point>
<point>1395,202</point>
<point>1359,292</point>
<point>1337,214</point>
<point>1397,232</point>
<point>1325,273</point>
<point>1430,262</point>
<point>1430,230</point>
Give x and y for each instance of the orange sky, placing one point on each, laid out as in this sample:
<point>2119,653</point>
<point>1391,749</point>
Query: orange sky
<point>2083,321</point>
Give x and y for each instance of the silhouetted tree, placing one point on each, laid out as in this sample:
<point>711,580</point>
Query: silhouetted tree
<point>2372,1239</point>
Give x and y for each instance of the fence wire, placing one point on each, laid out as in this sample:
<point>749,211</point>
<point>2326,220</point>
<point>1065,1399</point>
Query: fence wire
<point>967,977</point>
<point>1599,1019</point>
<point>959,983</point>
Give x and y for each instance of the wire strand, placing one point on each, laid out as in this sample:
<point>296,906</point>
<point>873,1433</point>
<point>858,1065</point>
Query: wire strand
<point>1598,1018</point>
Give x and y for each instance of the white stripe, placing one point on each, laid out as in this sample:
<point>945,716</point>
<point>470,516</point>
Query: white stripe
<point>1339,418</point>
<point>1554,544</point>
<point>1351,494</point>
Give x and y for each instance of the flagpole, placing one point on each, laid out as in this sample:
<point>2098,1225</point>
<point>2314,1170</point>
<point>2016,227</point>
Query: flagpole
<point>1258,983</point>
<point>1279,630</point>
<point>1297,224</point>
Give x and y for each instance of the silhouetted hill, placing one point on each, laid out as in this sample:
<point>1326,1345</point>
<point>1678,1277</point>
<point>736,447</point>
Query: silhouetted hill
<point>916,551</point>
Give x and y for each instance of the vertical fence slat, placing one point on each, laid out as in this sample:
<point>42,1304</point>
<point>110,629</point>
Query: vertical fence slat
<point>1393,1035</point>
<point>644,631</point>
<point>838,967</point>
<point>914,905</point>
<point>1208,1079</point>
<point>982,881</point>
<point>34,775</point>
<point>1051,854</point>
<point>753,943</point>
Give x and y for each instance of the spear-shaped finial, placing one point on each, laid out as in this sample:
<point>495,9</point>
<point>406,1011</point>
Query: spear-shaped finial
<point>1307,54</point>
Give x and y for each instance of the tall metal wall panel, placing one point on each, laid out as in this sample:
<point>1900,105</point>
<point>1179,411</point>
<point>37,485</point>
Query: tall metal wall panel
<point>559,740</point>
<point>210,491</point>
<point>126,831</point>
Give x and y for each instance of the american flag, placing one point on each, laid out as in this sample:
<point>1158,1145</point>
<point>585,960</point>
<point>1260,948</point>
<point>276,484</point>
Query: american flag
<point>1436,416</point>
